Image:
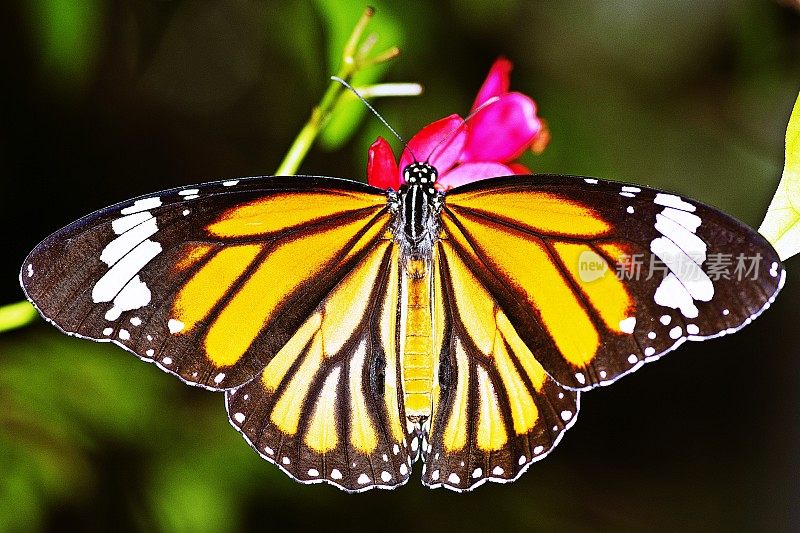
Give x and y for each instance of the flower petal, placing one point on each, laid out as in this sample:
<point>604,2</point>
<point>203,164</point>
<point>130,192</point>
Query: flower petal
<point>381,167</point>
<point>469,172</point>
<point>503,130</point>
<point>519,168</point>
<point>424,144</point>
<point>496,83</point>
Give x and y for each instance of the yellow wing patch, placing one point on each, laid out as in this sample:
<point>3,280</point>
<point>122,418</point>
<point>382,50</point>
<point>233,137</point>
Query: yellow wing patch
<point>282,211</point>
<point>211,283</point>
<point>323,432</point>
<point>525,264</point>
<point>539,211</point>
<point>598,281</point>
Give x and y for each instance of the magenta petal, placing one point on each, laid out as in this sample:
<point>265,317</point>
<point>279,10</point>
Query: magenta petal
<point>381,167</point>
<point>469,172</point>
<point>496,83</point>
<point>502,130</point>
<point>424,144</point>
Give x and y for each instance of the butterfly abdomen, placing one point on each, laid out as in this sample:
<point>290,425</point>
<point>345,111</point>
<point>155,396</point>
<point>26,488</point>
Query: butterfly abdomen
<point>417,359</point>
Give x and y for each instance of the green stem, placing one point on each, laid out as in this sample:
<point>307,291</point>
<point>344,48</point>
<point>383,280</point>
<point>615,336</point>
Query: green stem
<point>321,113</point>
<point>16,315</point>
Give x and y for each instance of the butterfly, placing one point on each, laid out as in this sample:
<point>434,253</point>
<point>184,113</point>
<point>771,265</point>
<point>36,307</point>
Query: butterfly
<point>355,331</point>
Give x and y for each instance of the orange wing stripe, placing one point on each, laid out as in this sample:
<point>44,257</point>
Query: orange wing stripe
<point>539,211</point>
<point>525,264</point>
<point>210,284</point>
<point>276,213</point>
<point>284,269</point>
<point>598,282</point>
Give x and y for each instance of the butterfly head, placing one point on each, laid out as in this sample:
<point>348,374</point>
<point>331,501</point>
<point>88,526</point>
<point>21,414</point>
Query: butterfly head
<point>420,174</point>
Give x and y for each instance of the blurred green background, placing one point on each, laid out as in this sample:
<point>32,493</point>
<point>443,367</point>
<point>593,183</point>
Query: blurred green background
<point>102,100</point>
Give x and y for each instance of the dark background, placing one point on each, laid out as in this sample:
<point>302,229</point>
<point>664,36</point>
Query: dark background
<point>104,100</point>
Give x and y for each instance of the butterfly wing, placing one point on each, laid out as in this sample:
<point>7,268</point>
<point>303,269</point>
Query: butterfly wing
<point>326,407</point>
<point>496,410</point>
<point>211,281</point>
<point>599,277</point>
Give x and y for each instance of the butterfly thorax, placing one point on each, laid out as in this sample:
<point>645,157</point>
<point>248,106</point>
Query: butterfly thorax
<point>416,209</point>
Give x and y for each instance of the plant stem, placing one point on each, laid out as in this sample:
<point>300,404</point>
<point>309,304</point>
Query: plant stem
<point>16,315</point>
<point>321,113</point>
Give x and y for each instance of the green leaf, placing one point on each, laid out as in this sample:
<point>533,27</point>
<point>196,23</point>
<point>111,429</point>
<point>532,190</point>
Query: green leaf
<point>781,225</point>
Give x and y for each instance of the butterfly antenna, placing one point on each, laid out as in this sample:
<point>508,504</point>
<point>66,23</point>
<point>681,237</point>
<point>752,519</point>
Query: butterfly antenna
<point>447,137</point>
<point>383,120</point>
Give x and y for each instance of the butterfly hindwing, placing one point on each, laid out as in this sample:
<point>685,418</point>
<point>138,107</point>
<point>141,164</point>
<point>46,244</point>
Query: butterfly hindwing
<point>602,277</point>
<point>495,409</point>
<point>326,407</point>
<point>208,281</point>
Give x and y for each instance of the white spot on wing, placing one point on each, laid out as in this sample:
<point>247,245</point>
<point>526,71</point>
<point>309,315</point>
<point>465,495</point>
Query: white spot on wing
<point>670,200</point>
<point>124,334</point>
<point>403,469</point>
<point>497,471</point>
<point>453,478</point>
<point>692,329</point>
<point>580,377</point>
<point>175,325</point>
<point>189,192</point>
<point>649,351</point>
<point>566,415</point>
<point>30,270</point>
<point>666,319</point>
<point>385,476</point>
<point>239,417</point>
<point>123,224</point>
<point>136,321</point>
<point>632,359</point>
<point>219,377</point>
<point>629,209</point>
<point>631,189</point>
<point>142,205</point>
<point>627,325</point>
<point>688,220</point>
<point>230,183</point>
<point>538,450</point>
<point>335,474</point>
<point>166,360</point>
<point>671,293</point>
<point>590,181</point>
<point>108,331</point>
<point>675,333</point>
<point>112,282</point>
<point>363,479</point>
<point>313,472</point>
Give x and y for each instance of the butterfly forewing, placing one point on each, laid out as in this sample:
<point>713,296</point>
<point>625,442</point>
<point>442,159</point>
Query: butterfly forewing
<point>601,277</point>
<point>209,281</point>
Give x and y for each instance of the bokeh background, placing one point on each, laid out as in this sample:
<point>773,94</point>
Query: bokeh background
<point>102,100</point>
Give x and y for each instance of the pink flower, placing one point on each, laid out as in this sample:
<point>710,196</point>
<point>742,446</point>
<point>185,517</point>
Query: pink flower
<point>483,148</point>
